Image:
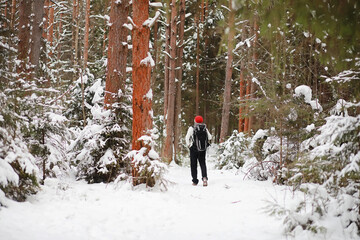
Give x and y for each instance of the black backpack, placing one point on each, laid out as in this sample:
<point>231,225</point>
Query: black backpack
<point>200,137</point>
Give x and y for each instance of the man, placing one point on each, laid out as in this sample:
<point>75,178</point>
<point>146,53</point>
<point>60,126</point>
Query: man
<point>197,139</point>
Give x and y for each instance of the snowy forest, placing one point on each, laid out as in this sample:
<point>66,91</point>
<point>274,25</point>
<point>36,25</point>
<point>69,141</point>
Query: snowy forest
<point>101,93</point>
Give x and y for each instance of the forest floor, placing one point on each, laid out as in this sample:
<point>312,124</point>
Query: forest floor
<point>229,208</point>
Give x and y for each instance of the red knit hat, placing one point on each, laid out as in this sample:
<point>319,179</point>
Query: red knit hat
<point>199,119</point>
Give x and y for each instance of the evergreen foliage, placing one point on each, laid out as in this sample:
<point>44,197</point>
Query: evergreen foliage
<point>100,147</point>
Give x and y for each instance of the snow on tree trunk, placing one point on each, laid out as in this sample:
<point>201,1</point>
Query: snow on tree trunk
<point>141,64</point>
<point>227,89</point>
<point>117,52</point>
<point>169,140</point>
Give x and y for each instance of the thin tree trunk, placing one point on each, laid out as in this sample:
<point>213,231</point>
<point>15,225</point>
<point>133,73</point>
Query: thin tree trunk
<point>248,92</point>
<point>179,64</point>
<point>167,61</point>
<point>197,65</point>
<point>242,83</point>
<point>254,60</point>
<point>12,16</point>
<point>142,111</point>
<point>202,12</point>
<point>87,29</point>
<point>75,31</point>
<point>156,50</point>
<point>156,40</point>
<point>83,98</point>
<point>59,35</point>
<point>169,140</point>
<point>50,35</point>
<point>227,89</point>
<point>117,52</point>
<point>45,19</point>
<point>24,36</point>
<point>38,9</point>
<point>5,15</point>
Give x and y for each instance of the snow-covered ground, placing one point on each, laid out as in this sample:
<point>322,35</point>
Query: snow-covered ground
<point>229,208</point>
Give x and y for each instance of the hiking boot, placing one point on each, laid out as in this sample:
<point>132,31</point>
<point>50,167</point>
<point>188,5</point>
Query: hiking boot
<point>194,184</point>
<point>205,183</point>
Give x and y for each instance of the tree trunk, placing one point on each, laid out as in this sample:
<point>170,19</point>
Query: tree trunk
<point>169,140</point>
<point>12,16</point>
<point>50,34</point>
<point>87,29</point>
<point>197,65</point>
<point>24,37</point>
<point>202,12</point>
<point>254,60</point>
<point>179,64</point>
<point>156,51</point>
<point>227,89</point>
<point>247,93</point>
<point>167,61</point>
<point>75,31</point>
<point>38,10</point>
<point>117,52</point>
<point>142,112</point>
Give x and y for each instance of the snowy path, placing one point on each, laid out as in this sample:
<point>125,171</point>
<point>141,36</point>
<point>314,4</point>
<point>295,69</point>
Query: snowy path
<point>229,208</point>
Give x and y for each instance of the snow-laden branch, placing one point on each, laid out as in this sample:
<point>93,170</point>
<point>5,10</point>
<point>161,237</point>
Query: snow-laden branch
<point>156,4</point>
<point>148,61</point>
<point>255,80</point>
<point>128,26</point>
<point>151,21</point>
<point>131,21</point>
<point>242,43</point>
<point>343,77</point>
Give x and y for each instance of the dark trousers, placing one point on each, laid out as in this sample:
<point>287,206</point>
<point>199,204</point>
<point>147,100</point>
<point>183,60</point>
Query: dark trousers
<point>196,156</point>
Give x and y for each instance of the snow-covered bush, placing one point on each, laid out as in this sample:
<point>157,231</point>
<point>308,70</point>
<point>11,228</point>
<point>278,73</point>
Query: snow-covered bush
<point>234,151</point>
<point>18,172</point>
<point>147,163</point>
<point>328,172</point>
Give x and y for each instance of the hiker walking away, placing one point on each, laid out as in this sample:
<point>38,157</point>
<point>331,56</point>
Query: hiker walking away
<point>197,139</point>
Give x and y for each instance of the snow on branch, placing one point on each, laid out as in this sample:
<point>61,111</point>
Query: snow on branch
<point>344,77</point>
<point>151,21</point>
<point>148,61</point>
<point>131,21</point>
<point>128,26</point>
<point>255,80</point>
<point>156,4</point>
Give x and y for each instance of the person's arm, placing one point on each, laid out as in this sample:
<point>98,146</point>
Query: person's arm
<point>189,136</point>
<point>209,135</point>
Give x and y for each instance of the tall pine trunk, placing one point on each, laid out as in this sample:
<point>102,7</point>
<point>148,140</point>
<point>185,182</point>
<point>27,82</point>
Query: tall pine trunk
<point>170,121</point>
<point>141,75</point>
<point>117,52</point>
<point>24,37</point>
<point>242,83</point>
<point>197,94</point>
<point>50,34</point>
<point>254,60</point>
<point>86,37</point>
<point>180,53</point>
<point>37,29</point>
<point>167,59</point>
<point>229,67</point>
